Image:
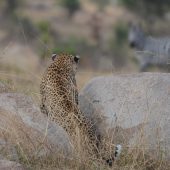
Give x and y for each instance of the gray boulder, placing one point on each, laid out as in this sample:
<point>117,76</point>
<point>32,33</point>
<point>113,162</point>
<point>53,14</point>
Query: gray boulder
<point>135,108</point>
<point>24,128</point>
<point>10,165</point>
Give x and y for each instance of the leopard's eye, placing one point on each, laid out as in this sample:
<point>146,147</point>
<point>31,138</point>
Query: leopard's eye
<point>76,58</point>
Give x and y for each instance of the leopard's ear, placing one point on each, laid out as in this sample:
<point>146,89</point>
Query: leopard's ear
<point>77,58</point>
<point>53,56</point>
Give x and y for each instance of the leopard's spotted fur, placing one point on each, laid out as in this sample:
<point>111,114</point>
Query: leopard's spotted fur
<point>60,102</point>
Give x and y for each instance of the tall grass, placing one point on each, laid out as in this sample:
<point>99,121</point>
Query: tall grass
<point>23,138</point>
<point>26,144</point>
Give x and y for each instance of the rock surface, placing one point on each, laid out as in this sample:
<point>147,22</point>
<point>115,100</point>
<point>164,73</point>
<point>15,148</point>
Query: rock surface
<point>135,106</point>
<point>24,127</point>
<point>10,165</point>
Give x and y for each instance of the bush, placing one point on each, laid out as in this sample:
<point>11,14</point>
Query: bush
<point>70,46</point>
<point>58,50</point>
<point>121,32</point>
<point>44,26</point>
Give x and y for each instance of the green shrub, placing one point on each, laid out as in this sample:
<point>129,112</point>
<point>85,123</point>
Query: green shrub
<point>44,26</point>
<point>44,29</point>
<point>58,50</point>
<point>120,31</point>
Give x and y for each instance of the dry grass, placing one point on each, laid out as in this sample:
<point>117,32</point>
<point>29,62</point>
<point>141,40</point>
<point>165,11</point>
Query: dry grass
<point>23,138</point>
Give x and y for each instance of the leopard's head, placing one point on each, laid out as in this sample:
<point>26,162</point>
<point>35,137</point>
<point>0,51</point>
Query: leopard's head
<point>66,63</point>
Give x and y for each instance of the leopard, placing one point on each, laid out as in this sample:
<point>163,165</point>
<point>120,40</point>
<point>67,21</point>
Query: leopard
<point>59,101</point>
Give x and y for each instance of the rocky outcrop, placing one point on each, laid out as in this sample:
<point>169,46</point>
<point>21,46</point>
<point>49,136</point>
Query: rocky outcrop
<point>10,165</point>
<point>23,128</point>
<point>135,108</point>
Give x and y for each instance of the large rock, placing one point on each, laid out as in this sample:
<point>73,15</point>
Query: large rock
<point>23,128</point>
<point>10,165</point>
<point>135,108</point>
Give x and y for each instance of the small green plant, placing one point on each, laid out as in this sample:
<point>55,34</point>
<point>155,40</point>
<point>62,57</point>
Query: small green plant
<point>44,26</point>
<point>58,50</point>
<point>67,47</point>
<point>121,32</point>
<point>72,45</point>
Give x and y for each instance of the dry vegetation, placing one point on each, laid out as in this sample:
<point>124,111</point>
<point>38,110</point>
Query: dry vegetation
<point>24,141</point>
<point>23,138</point>
<point>27,79</point>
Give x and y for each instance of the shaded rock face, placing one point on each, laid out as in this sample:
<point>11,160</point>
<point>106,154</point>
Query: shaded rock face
<point>24,127</point>
<point>135,107</point>
<point>10,165</point>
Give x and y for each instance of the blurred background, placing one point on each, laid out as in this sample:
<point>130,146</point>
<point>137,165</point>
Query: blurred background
<point>97,30</point>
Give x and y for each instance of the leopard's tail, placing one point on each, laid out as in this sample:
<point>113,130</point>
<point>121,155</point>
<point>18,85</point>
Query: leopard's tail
<point>118,150</point>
